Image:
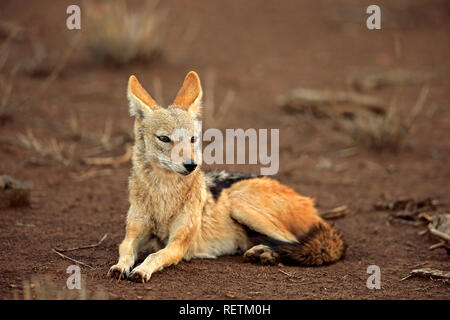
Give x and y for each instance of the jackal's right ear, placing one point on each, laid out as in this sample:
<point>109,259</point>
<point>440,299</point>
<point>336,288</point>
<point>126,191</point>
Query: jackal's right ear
<point>139,99</point>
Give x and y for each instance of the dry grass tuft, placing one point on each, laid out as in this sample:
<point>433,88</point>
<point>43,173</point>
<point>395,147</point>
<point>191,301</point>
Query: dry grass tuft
<point>51,151</point>
<point>386,131</point>
<point>41,62</point>
<point>368,120</point>
<point>116,34</point>
<point>6,80</point>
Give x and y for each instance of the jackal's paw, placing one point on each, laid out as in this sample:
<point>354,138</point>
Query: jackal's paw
<point>139,275</point>
<point>261,254</point>
<point>118,272</point>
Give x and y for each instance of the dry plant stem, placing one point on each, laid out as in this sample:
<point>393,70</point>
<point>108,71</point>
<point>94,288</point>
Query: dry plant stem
<point>6,84</point>
<point>30,100</point>
<point>84,247</point>
<point>120,35</point>
<point>428,273</point>
<point>336,213</point>
<point>290,275</point>
<point>365,80</point>
<point>418,106</point>
<point>74,128</point>
<point>53,149</point>
<point>92,174</point>
<point>71,259</point>
<point>440,234</point>
<point>158,90</point>
<point>437,245</point>
<point>114,161</point>
<point>311,97</point>
<point>215,115</point>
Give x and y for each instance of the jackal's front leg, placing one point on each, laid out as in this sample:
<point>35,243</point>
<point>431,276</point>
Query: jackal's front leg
<point>171,254</point>
<point>136,233</point>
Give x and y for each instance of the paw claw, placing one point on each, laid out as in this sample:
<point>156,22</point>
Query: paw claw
<point>117,272</point>
<point>139,276</point>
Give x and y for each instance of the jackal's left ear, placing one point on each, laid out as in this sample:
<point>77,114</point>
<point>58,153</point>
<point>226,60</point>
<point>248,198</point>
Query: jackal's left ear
<point>190,95</point>
<point>139,99</point>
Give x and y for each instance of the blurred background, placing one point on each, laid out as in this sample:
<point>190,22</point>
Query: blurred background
<point>363,118</point>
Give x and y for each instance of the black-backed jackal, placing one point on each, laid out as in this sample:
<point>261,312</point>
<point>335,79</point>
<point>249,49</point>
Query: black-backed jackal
<point>179,212</point>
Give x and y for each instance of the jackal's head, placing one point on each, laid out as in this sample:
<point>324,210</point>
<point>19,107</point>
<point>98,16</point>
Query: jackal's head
<point>167,138</point>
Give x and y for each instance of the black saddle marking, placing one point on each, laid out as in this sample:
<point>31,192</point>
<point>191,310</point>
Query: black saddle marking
<point>223,179</point>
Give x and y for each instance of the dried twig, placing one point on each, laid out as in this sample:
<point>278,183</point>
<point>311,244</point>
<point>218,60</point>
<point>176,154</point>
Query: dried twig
<point>290,275</point>
<point>362,80</point>
<point>114,161</point>
<point>338,101</point>
<point>84,247</point>
<point>71,259</point>
<point>408,204</point>
<point>428,273</point>
<point>92,174</point>
<point>438,245</point>
<point>336,213</point>
<point>158,90</point>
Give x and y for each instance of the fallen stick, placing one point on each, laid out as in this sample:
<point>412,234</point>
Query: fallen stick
<point>437,245</point>
<point>336,213</point>
<point>92,174</point>
<point>365,81</point>
<point>114,161</point>
<point>428,272</point>
<point>84,247</point>
<point>310,98</point>
<point>290,275</point>
<point>71,259</point>
<point>439,234</point>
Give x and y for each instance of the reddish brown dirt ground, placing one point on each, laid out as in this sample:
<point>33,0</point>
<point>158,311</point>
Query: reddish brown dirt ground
<point>259,49</point>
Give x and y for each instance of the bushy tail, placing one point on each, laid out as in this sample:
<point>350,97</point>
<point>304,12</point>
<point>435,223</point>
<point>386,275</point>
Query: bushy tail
<point>321,245</point>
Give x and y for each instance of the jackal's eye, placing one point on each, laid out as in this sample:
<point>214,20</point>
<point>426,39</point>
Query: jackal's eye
<point>193,140</point>
<point>164,138</point>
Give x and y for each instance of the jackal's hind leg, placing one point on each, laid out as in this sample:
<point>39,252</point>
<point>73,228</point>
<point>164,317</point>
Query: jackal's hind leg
<point>261,254</point>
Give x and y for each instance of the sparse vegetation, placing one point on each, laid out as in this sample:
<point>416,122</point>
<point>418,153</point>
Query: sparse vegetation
<point>119,35</point>
<point>368,120</point>
<point>6,83</point>
<point>388,130</point>
<point>53,150</point>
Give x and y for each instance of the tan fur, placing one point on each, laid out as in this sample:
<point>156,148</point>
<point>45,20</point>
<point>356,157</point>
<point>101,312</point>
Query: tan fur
<point>135,88</point>
<point>174,215</point>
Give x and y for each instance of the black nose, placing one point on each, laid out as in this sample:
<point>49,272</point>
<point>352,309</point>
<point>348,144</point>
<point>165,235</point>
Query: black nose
<point>190,166</point>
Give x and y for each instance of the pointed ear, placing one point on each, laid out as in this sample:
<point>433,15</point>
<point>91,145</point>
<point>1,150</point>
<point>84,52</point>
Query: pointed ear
<point>190,95</point>
<point>139,99</point>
